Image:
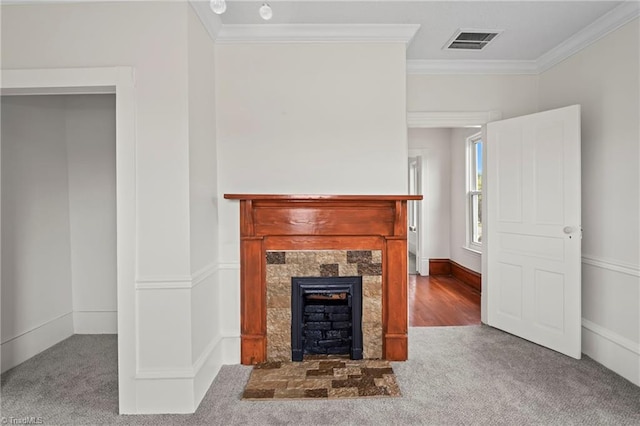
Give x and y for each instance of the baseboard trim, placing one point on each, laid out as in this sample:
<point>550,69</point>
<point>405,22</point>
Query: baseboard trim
<point>467,276</point>
<point>615,352</point>
<point>231,350</point>
<point>18,349</point>
<point>207,370</point>
<point>450,268</point>
<point>439,267</point>
<point>182,391</point>
<point>95,322</point>
<point>605,333</point>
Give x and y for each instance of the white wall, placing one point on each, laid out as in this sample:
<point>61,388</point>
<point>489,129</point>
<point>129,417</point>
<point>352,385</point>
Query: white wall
<point>458,215</point>
<point>604,79</point>
<point>512,95</point>
<point>433,145</point>
<point>36,253</point>
<point>305,118</point>
<point>203,199</point>
<point>157,372</point>
<point>90,133</point>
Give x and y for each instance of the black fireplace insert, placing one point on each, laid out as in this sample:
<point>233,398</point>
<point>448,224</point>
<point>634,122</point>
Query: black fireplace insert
<point>326,316</point>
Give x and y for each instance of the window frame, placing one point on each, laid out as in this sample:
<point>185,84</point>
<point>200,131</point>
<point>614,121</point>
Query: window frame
<point>472,191</point>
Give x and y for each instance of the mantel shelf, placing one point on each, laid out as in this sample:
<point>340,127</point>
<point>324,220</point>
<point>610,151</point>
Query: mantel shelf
<point>319,197</point>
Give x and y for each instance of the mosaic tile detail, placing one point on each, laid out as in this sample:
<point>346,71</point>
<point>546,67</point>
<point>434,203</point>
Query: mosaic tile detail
<point>321,263</point>
<point>369,269</point>
<point>322,377</point>
<point>331,270</point>
<point>275,258</point>
<point>359,256</point>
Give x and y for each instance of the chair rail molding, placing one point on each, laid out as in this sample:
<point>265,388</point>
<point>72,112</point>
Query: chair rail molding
<point>612,265</point>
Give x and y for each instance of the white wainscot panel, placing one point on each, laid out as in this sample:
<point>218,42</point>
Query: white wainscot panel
<point>611,315</point>
<point>164,332</point>
<point>229,301</point>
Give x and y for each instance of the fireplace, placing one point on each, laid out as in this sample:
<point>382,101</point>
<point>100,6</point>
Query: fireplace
<point>326,316</point>
<point>322,223</point>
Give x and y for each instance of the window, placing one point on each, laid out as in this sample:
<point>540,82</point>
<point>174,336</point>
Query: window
<point>474,191</point>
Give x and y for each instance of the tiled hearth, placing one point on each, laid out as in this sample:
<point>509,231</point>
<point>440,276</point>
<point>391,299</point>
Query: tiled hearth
<point>283,265</point>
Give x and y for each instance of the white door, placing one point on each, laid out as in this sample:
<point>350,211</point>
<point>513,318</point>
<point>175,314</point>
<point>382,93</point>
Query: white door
<point>533,228</point>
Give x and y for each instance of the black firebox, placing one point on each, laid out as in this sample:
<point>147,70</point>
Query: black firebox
<point>326,316</point>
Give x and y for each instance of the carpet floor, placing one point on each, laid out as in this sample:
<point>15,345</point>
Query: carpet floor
<point>472,375</point>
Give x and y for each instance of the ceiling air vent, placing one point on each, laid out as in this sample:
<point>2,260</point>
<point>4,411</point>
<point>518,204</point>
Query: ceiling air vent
<point>471,39</point>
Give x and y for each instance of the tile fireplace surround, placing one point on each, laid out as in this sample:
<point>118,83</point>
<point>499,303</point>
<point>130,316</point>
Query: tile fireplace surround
<point>311,226</point>
<point>283,265</point>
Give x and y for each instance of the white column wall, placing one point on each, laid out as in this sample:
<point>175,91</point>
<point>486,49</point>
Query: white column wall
<point>323,118</point>
<point>207,343</point>
<point>604,79</point>
<point>156,368</point>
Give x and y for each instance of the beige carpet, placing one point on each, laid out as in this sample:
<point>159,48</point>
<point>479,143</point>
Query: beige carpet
<point>472,375</point>
<point>322,378</point>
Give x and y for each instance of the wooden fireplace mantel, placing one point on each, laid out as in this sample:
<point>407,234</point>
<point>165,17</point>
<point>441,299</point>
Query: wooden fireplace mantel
<point>322,222</point>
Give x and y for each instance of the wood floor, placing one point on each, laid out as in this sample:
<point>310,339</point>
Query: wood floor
<point>442,300</point>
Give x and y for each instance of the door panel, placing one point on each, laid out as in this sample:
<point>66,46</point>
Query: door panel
<point>533,244</point>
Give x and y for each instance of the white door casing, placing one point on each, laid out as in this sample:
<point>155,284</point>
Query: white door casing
<point>413,210</point>
<point>533,241</point>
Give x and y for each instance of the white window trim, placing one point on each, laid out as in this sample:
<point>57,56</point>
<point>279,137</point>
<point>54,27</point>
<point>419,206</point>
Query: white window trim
<point>469,243</point>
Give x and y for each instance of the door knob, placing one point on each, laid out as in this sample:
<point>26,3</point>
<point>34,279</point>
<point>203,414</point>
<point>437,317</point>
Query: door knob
<point>567,229</point>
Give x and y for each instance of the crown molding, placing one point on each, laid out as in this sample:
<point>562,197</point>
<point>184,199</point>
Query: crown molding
<point>210,21</point>
<point>427,119</point>
<point>598,29</point>
<point>604,25</point>
<point>311,33</point>
<point>470,66</point>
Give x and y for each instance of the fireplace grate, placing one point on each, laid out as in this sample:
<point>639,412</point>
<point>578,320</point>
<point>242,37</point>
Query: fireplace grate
<point>326,316</point>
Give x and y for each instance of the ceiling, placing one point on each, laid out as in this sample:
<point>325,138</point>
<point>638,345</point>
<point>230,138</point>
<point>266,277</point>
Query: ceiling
<point>530,28</point>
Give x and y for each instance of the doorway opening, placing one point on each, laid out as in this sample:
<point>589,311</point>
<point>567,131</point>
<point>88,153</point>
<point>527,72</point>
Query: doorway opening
<point>118,81</point>
<point>59,222</point>
<point>446,289</point>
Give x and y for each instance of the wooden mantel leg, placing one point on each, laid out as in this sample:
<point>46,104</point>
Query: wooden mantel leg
<point>395,343</point>
<point>253,340</point>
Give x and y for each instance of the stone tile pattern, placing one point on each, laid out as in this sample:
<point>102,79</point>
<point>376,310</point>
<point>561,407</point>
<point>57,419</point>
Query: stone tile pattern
<point>282,265</point>
<point>319,377</point>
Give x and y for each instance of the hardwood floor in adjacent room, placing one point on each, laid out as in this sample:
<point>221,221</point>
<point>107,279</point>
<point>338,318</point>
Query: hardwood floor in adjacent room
<point>442,300</point>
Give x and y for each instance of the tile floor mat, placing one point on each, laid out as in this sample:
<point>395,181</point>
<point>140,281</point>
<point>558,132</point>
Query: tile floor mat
<point>322,378</point>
